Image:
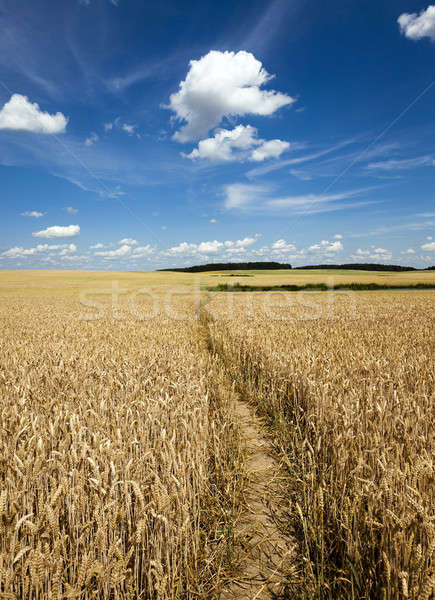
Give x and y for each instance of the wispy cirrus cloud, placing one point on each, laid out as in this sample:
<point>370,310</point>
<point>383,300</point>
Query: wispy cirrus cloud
<point>403,164</point>
<point>92,139</point>
<point>258,171</point>
<point>240,195</point>
<point>255,198</point>
<point>267,25</point>
<point>32,213</point>
<point>386,229</point>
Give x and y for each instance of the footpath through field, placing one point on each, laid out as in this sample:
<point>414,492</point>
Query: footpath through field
<point>268,558</point>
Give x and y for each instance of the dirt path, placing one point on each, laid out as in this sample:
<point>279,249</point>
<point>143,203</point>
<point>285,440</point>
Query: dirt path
<point>267,556</point>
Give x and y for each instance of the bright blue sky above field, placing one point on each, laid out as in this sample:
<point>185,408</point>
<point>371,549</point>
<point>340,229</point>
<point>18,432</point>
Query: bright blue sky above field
<point>138,135</point>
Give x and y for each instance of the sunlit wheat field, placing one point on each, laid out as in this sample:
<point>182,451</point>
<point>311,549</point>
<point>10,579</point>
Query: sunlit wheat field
<point>124,466</point>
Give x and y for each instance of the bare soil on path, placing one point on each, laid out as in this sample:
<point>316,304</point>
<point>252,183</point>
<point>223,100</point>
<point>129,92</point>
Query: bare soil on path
<point>267,556</point>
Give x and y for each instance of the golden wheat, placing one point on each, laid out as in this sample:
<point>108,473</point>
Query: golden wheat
<point>122,469</point>
<point>112,457</point>
<point>347,384</point>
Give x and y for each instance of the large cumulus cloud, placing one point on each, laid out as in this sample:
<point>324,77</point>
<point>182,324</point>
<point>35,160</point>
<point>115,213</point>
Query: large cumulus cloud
<point>222,84</point>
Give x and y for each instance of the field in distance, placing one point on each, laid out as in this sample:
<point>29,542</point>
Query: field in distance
<point>69,283</point>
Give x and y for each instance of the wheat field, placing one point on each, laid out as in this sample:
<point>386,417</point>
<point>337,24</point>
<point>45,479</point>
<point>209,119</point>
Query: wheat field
<point>108,488</point>
<point>348,389</point>
<point>123,466</point>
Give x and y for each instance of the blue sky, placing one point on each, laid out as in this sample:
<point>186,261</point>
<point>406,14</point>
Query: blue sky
<point>141,135</point>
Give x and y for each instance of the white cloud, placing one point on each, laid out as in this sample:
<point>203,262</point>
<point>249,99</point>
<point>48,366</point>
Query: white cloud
<point>327,247</point>
<point>212,247</point>
<point>429,237</point>
<point>409,251</point>
<point>143,251</point>
<point>283,250</point>
<point>121,251</point>
<point>128,128</point>
<point>219,148</point>
<point>381,256</point>
<point>91,140</point>
<point>283,246</point>
<point>128,242</point>
<point>240,195</point>
<point>417,26</point>
<point>75,258</point>
<point>183,248</point>
<point>430,246</point>
<point>163,227</point>
<point>57,231</point>
<point>32,213</point>
<point>269,149</point>
<point>21,115</point>
<point>373,254</point>
<point>212,221</point>
<point>234,251</point>
<point>247,241</point>
<point>68,249</point>
<point>71,210</point>
<point>97,246</point>
<point>222,84</point>
<point>20,252</point>
<point>338,236</point>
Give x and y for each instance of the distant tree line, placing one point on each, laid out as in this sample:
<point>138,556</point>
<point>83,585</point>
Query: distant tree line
<point>242,266</point>
<point>361,267</point>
